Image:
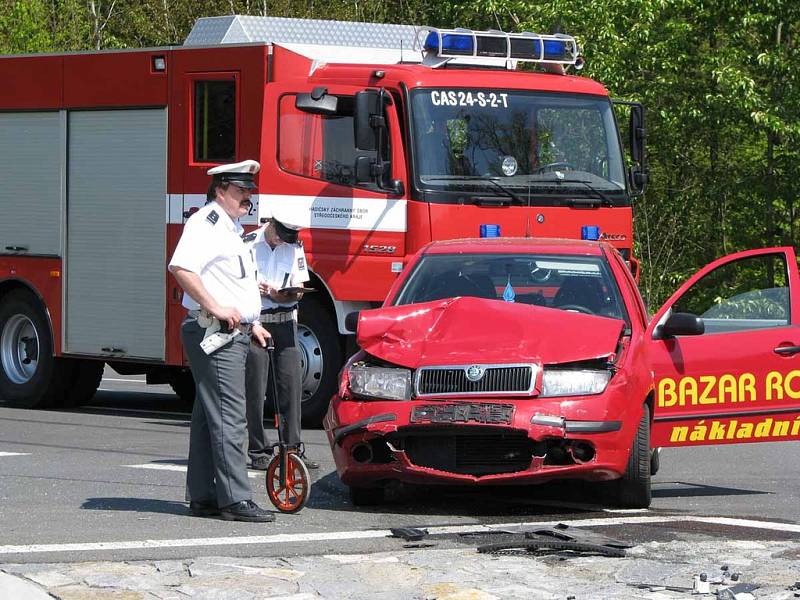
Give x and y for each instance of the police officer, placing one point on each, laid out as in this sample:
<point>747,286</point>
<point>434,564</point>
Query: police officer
<point>281,264</point>
<point>218,275</point>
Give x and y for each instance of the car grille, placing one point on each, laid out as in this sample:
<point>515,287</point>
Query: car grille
<point>466,451</point>
<point>496,379</point>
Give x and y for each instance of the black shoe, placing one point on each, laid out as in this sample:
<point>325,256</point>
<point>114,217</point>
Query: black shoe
<point>301,452</point>
<point>203,509</point>
<point>246,510</point>
<point>260,463</point>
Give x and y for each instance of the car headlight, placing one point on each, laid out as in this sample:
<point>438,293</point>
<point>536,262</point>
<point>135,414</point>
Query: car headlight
<point>391,383</point>
<point>574,382</point>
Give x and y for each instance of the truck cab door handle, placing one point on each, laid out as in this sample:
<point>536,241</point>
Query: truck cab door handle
<point>787,350</point>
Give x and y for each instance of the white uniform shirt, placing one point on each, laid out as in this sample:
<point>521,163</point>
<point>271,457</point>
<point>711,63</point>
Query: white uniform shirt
<point>283,266</point>
<point>211,246</point>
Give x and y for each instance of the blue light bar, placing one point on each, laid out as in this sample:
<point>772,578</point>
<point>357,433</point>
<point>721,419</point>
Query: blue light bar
<point>590,232</point>
<point>489,230</point>
<point>529,47</point>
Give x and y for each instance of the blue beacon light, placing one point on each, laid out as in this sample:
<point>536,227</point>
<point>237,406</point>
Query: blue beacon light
<point>452,43</point>
<point>590,232</point>
<point>490,231</point>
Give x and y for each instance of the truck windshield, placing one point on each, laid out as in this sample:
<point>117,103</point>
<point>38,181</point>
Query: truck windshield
<point>543,147</point>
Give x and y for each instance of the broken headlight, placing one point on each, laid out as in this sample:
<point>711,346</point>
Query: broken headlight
<point>389,383</point>
<point>573,382</point>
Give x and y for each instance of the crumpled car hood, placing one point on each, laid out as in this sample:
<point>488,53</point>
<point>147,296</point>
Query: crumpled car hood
<point>466,330</point>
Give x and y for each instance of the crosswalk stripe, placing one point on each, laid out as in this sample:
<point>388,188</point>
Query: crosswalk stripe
<point>15,453</point>
<point>181,468</point>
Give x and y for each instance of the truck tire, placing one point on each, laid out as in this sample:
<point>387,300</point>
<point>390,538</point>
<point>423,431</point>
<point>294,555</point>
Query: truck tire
<point>632,490</point>
<point>182,383</point>
<point>30,376</point>
<point>84,381</point>
<point>321,354</point>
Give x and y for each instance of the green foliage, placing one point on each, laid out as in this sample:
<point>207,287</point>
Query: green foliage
<point>720,81</point>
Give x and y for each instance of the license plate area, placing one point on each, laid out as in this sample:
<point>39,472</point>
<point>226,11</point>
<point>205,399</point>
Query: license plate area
<point>460,412</point>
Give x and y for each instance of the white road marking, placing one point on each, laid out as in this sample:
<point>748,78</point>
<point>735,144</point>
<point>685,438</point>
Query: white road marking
<point>125,380</point>
<point>15,453</point>
<point>373,534</point>
<point>181,468</point>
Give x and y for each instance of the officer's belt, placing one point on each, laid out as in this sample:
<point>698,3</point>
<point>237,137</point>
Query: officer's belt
<point>278,317</point>
<point>245,328</point>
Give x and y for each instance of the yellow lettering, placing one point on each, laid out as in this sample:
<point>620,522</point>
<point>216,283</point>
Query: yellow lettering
<point>708,381</point>
<point>787,384</point>
<point>747,387</point>
<point>774,383</point>
<point>698,432</point>
<point>717,431</point>
<point>679,434</point>
<point>780,428</point>
<point>666,393</point>
<point>687,391</point>
<point>727,389</point>
<point>762,429</point>
<point>731,428</point>
<point>745,431</point>
<point>796,427</point>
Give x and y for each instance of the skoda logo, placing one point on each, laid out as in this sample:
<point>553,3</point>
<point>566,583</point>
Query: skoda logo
<point>475,372</point>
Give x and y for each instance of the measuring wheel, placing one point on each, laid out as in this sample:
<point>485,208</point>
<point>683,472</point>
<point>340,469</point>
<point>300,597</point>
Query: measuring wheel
<point>292,495</point>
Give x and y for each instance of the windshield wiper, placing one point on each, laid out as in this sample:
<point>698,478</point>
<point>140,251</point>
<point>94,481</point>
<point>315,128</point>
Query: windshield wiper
<point>515,197</point>
<point>605,199</point>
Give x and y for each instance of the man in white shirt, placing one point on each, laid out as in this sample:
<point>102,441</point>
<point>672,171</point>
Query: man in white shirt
<point>281,264</point>
<point>218,275</point>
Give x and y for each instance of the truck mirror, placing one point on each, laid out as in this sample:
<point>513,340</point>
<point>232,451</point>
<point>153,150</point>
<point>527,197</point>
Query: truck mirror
<point>318,102</point>
<point>367,110</point>
<point>363,169</point>
<point>351,321</point>
<point>638,133</point>
<point>680,324</point>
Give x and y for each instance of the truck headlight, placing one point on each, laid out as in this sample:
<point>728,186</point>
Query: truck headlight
<point>390,383</point>
<point>573,382</point>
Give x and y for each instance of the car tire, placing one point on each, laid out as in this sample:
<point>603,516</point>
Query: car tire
<point>30,376</point>
<point>84,380</point>
<point>632,490</point>
<point>321,353</point>
<point>655,461</point>
<point>182,383</point>
<point>366,496</point>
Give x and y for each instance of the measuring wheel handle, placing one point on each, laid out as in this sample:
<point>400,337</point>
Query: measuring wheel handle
<point>288,490</point>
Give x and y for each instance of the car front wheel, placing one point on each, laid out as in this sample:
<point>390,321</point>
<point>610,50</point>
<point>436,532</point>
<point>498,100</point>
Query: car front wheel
<point>632,490</point>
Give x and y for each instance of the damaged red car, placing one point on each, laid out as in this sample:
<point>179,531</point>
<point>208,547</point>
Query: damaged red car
<point>521,361</point>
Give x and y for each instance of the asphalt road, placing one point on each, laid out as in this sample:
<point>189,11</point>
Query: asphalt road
<point>109,479</point>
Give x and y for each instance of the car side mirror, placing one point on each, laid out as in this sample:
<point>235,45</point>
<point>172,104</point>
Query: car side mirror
<point>679,324</point>
<point>318,102</point>
<point>351,321</point>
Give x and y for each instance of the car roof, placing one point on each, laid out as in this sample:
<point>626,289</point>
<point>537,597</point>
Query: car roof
<point>516,245</point>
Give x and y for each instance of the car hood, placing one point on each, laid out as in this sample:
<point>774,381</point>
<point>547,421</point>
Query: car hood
<point>466,330</point>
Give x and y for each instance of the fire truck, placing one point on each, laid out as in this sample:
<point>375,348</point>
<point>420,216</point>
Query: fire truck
<point>379,138</point>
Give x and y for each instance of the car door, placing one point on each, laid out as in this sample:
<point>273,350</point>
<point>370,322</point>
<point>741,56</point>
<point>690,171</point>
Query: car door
<point>739,380</point>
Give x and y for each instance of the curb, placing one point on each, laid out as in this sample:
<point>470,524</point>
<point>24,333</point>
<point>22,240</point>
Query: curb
<point>13,588</point>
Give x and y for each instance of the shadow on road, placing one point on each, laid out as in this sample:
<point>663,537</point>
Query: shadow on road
<point>142,505</point>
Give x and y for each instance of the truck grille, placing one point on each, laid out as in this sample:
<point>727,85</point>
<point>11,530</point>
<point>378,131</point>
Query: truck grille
<point>465,451</point>
<point>485,379</point>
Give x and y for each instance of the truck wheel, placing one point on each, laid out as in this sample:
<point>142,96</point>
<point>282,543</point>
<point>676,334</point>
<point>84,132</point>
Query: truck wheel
<point>632,490</point>
<point>30,376</point>
<point>366,496</point>
<point>321,355</point>
<point>85,379</point>
<point>182,383</point>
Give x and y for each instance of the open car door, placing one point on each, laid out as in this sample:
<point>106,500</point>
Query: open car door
<point>725,353</point>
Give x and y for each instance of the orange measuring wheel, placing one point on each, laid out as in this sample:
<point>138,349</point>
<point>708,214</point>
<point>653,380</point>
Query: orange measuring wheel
<point>291,494</point>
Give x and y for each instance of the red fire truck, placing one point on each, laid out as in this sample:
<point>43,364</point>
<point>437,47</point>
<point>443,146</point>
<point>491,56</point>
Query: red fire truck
<point>380,137</point>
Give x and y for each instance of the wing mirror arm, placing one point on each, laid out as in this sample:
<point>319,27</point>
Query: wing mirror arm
<point>679,324</point>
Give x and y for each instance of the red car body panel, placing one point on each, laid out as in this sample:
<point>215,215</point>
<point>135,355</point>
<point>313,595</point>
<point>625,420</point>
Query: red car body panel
<point>466,331</point>
<point>446,332</point>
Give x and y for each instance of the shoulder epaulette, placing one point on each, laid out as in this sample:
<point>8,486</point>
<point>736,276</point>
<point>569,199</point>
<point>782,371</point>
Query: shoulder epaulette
<point>212,217</point>
<point>249,237</point>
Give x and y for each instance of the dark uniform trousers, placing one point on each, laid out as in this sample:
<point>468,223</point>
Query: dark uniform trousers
<point>217,470</point>
<point>289,381</point>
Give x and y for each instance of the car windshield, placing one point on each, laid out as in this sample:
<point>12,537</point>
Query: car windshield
<point>533,143</point>
<point>567,282</point>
